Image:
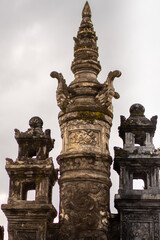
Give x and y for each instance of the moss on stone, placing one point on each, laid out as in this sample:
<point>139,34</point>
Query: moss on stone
<point>90,116</point>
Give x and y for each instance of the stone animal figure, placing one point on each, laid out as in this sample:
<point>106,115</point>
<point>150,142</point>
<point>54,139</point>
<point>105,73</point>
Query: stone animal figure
<point>62,93</point>
<point>107,92</point>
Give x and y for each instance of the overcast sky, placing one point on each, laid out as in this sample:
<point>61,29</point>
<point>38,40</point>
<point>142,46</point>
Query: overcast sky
<point>37,38</point>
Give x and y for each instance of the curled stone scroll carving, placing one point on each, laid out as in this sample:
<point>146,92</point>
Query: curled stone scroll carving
<point>83,137</point>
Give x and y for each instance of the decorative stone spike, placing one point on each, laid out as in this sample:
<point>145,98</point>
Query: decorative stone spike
<point>86,11</point>
<point>85,49</point>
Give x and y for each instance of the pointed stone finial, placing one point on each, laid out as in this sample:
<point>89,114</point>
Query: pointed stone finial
<point>85,49</point>
<point>86,10</point>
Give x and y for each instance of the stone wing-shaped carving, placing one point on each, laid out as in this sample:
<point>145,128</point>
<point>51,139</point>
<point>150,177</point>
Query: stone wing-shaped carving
<point>107,92</point>
<point>62,93</point>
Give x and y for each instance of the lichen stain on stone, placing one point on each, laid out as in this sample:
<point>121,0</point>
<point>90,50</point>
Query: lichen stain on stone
<point>63,215</point>
<point>39,176</point>
<point>90,116</point>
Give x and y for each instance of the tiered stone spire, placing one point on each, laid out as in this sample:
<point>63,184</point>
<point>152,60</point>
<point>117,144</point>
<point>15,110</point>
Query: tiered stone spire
<point>85,93</point>
<point>85,49</point>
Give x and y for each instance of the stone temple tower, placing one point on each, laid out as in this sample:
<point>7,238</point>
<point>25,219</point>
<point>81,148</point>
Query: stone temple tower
<point>139,209</point>
<point>85,120</point>
<point>32,170</point>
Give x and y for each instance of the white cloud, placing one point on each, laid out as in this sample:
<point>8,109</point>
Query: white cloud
<point>3,198</point>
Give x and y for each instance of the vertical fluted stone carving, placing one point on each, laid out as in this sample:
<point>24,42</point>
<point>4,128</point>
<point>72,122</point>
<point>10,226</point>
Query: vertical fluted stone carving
<point>85,121</point>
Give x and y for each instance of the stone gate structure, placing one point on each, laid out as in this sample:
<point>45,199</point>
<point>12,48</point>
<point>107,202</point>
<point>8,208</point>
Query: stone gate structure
<point>85,121</point>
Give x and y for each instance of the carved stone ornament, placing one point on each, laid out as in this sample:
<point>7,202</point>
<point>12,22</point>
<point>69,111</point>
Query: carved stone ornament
<point>85,163</point>
<point>63,95</point>
<point>140,225</point>
<point>137,124</point>
<point>85,49</point>
<point>107,92</point>
<point>83,137</point>
<point>85,93</point>
<point>34,142</point>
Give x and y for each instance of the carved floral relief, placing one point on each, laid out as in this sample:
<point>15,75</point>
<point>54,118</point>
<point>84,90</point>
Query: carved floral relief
<point>83,137</point>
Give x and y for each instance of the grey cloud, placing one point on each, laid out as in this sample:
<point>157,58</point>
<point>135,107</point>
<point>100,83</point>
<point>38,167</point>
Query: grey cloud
<point>37,37</point>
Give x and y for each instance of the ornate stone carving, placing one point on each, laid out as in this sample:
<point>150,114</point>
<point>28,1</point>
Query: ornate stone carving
<point>62,93</point>
<point>107,92</point>
<point>138,125</point>
<point>82,137</point>
<point>85,163</point>
<point>85,49</point>
<point>77,136</point>
<point>34,142</point>
<point>85,207</point>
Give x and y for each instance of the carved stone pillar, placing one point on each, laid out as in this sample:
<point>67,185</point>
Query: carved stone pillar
<point>85,121</point>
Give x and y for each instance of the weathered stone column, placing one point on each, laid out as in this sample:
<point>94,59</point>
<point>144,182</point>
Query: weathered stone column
<point>85,121</point>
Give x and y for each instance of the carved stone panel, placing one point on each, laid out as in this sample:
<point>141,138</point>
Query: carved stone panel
<point>84,137</point>
<point>140,226</point>
<point>84,208</point>
<point>79,135</point>
<point>85,163</point>
<point>136,231</point>
<point>28,235</point>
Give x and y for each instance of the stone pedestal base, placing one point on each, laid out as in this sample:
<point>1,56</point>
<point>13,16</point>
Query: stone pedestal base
<point>28,221</point>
